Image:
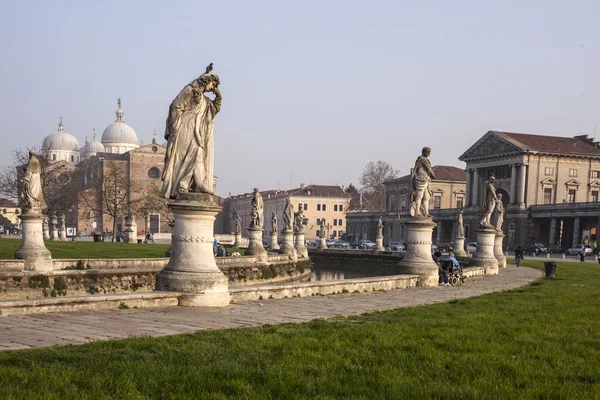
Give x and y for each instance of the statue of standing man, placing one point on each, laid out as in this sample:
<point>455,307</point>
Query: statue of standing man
<point>288,215</point>
<point>274,223</point>
<point>380,226</point>
<point>499,213</point>
<point>30,193</point>
<point>489,204</point>
<point>189,158</point>
<point>257,209</point>
<point>421,177</point>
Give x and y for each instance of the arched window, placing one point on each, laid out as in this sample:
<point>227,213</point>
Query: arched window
<point>364,229</point>
<point>154,173</point>
<point>391,232</point>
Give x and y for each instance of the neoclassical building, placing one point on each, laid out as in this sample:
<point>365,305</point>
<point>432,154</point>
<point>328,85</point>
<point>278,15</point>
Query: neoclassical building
<point>550,186</point>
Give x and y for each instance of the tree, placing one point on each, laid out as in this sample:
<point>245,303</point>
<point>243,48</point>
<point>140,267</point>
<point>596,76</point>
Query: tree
<point>372,178</point>
<point>351,189</point>
<point>153,203</point>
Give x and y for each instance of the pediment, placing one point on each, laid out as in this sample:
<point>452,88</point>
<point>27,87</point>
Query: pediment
<point>488,146</point>
<point>460,191</point>
<point>595,184</point>
<point>572,182</point>
<point>548,182</point>
<point>437,190</point>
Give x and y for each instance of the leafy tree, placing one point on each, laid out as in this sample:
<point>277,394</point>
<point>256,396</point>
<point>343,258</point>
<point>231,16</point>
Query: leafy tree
<point>372,178</point>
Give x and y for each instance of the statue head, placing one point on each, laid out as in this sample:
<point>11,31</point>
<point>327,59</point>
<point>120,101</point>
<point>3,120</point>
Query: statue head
<point>492,179</point>
<point>206,82</point>
<point>426,151</point>
<point>499,196</point>
<point>31,153</point>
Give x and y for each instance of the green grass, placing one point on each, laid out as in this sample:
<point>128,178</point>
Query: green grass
<point>79,250</point>
<point>538,342</point>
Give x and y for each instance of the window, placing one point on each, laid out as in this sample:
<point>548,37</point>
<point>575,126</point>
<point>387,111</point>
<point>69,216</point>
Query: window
<point>340,222</point>
<point>305,206</point>
<point>154,149</point>
<point>391,230</point>
<point>324,207</point>
<point>466,228</point>
<point>437,202</point>
<point>547,196</point>
<point>318,207</point>
<point>334,222</point>
<point>72,158</point>
<point>594,196</point>
<point>571,196</point>
<point>572,172</point>
<point>299,206</point>
<point>511,227</point>
<point>334,233</point>
<point>154,173</point>
<point>335,207</point>
<point>341,207</point>
<point>318,221</point>
<point>549,171</point>
<point>54,157</point>
<point>364,229</point>
<point>460,202</point>
<point>595,174</point>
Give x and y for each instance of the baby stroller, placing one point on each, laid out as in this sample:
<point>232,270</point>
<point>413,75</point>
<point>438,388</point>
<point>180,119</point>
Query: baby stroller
<point>455,273</point>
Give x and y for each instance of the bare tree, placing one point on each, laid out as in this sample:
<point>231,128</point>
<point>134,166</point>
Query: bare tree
<point>110,193</point>
<point>372,178</point>
<point>153,203</point>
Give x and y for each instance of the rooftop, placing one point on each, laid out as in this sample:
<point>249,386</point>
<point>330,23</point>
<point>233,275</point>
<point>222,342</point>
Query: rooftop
<point>442,173</point>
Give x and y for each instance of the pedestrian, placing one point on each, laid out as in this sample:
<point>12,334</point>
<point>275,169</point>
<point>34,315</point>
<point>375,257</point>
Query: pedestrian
<point>518,255</point>
<point>582,257</point>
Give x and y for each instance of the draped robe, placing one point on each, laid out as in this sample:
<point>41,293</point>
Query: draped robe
<point>31,185</point>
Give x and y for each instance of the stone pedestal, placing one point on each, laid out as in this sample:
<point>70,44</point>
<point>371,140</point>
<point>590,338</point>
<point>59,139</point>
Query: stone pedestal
<point>484,255</point>
<point>53,228</point>
<point>255,244</point>
<point>459,246</point>
<point>379,243</point>
<point>287,243</point>
<point>322,244</point>
<point>498,253</point>
<point>168,252</point>
<point>32,249</point>
<point>273,246</point>
<point>62,233</point>
<point>418,259</point>
<point>192,269</point>
<point>45,229</point>
<point>129,234</point>
<point>299,244</point>
<point>238,240</point>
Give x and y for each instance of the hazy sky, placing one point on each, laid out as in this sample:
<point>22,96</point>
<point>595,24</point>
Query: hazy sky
<point>315,89</point>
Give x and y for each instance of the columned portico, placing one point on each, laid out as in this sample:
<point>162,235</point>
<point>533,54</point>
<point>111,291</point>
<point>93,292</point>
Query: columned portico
<point>469,201</point>
<point>439,237</point>
<point>552,239</point>
<point>513,184</point>
<point>521,193</point>
<point>475,188</point>
<point>576,231</point>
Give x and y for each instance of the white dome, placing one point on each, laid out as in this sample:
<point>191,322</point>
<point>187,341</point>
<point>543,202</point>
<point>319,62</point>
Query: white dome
<point>60,140</point>
<point>119,133</point>
<point>90,149</point>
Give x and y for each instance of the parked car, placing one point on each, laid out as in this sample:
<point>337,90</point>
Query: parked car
<point>329,242</point>
<point>434,248</point>
<point>446,247</point>
<point>340,244</point>
<point>578,249</point>
<point>396,246</point>
<point>555,248</point>
<point>80,234</point>
<point>366,244</point>
<point>471,247</point>
<point>537,248</point>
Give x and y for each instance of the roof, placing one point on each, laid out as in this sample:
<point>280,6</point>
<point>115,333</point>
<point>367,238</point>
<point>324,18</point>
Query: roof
<point>442,173</point>
<point>119,132</point>
<point>60,140</point>
<point>552,144</point>
<point>315,191</point>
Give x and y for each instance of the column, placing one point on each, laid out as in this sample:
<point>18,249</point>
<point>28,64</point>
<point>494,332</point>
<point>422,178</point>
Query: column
<point>513,184</point>
<point>521,194</point>
<point>475,188</point>
<point>439,237</point>
<point>469,188</point>
<point>576,232</point>
<point>552,238</point>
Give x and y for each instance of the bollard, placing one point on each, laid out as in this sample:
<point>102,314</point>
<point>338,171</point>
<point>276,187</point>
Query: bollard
<point>547,255</point>
<point>563,256</point>
<point>550,269</point>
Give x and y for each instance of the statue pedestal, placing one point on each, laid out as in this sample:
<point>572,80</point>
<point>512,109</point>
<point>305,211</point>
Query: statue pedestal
<point>32,249</point>
<point>322,244</point>
<point>418,259</point>
<point>484,255</point>
<point>299,244</point>
<point>168,252</point>
<point>45,229</point>
<point>379,243</point>
<point>53,228</point>
<point>459,246</point>
<point>274,246</point>
<point>255,244</point>
<point>238,240</point>
<point>192,269</point>
<point>498,253</point>
<point>287,243</point>
<point>129,234</point>
<point>62,234</point>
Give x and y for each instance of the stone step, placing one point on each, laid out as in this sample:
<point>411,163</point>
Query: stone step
<point>89,302</point>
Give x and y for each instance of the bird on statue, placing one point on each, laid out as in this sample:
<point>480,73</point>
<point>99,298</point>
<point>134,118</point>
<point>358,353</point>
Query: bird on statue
<point>209,68</point>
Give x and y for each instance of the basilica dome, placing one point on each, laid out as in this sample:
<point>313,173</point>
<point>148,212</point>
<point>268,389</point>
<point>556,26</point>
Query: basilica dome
<point>61,145</point>
<point>90,149</point>
<point>119,137</point>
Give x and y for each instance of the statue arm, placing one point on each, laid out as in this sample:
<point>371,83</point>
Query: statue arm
<point>427,166</point>
<point>216,103</point>
<point>176,108</point>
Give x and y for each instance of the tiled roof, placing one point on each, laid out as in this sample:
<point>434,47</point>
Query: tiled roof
<point>552,144</point>
<point>442,173</point>
<point>315,191</point>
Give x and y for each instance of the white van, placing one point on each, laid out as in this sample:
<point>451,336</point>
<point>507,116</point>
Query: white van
<point>471,247</point>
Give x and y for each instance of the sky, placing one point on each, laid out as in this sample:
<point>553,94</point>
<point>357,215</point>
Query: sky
<point>312,90</point>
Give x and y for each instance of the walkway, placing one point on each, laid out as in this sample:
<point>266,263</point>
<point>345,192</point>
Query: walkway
<point>43,330</point>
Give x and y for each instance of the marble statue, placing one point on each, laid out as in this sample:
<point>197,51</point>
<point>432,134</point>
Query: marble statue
<point>499,213</point>
<point>299,220</point>
<point>489,204</point>
<point>322,229</point>
<point>380,227</point>
<point>30,185</point>
<point>61,221</point>
<point>238,224</point>
<point>274,223</point>
<point>421,177</point>
<point>288,211</point>
<point>461,227</point>
<point>257,209</point>
<point>189,158</point>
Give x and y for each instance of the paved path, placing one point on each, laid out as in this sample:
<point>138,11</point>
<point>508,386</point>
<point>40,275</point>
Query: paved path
<point>43,330</point>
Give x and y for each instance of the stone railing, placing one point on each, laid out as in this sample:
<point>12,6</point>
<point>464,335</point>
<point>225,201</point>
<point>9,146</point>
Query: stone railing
<point>565,209</point>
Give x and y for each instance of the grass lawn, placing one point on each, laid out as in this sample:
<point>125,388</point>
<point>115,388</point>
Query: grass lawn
<point>79,250</point>
<point>541,341</point>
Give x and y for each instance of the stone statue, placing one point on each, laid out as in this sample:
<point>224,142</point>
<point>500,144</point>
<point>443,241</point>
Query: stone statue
<point>489,204</point>
<point>421,177</point>
<point>499,213</point>
<point>322,229</point>
<point>189,158</point>
<point>61,221</point>
<point>380,227</point>
<point>30,185</point>
<point>238,224</point>
<point>461,227</point>
<point>288,212</point>
<point>257,209</point>
<point>274,223</point>
<point>299,220</point>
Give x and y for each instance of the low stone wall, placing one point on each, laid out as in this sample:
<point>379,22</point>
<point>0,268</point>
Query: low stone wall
<point>12,265</point>
<point>357,261</point>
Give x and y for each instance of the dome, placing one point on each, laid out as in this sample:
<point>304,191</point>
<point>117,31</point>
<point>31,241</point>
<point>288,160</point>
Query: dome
<point>60,140</point>
<point>90,149</point>
<point>119,132</point>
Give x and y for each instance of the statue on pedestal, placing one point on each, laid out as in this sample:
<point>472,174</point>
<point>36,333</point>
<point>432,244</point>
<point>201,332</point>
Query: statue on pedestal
<point>489,204</point>
<point>257,210</point>
<point>61,221</point>
<point>322,233</point>
<point>274,223</point>
<point>299,220</point>
<point>288,212</point>
<point>421,177</point>
<point>189,158</point>
<point>238,224</point>
<point>30,185</point>
<point>499,213</point>
<point>461,228</point>
<point>380,226</point>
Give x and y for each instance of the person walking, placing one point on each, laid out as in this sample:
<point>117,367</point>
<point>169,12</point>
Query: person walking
<point>518,255</point>
<point>582,257</point>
